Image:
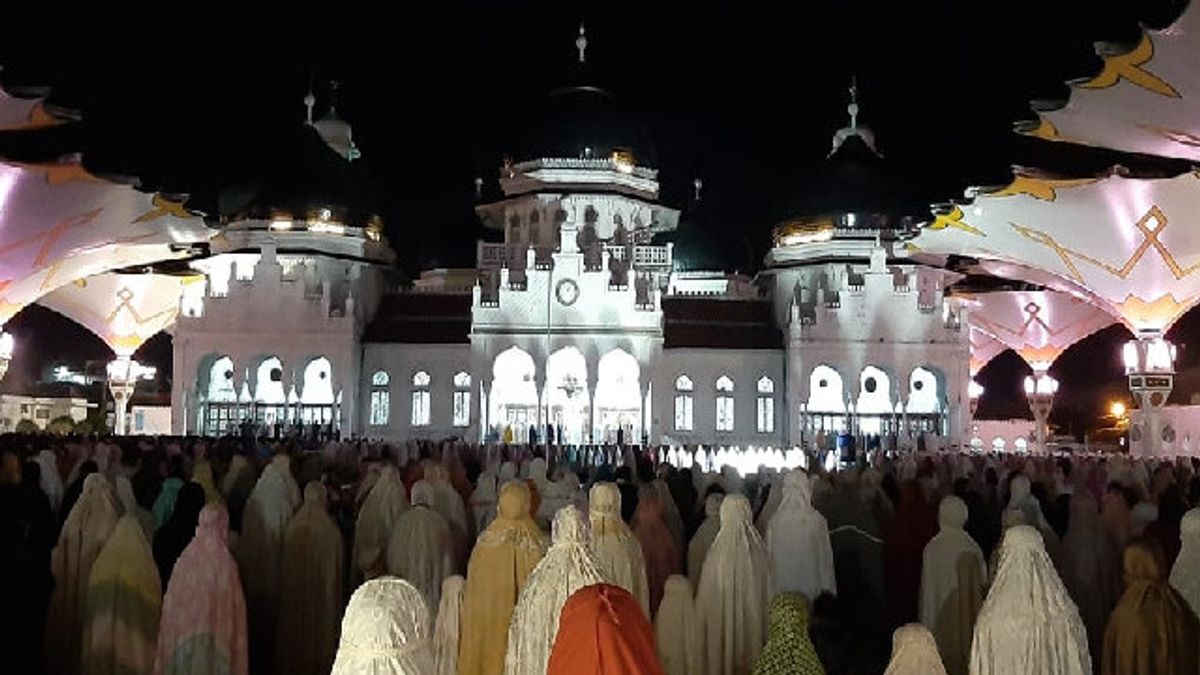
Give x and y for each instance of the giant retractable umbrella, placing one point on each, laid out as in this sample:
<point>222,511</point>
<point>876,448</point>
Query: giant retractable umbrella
<point>1039,326</point>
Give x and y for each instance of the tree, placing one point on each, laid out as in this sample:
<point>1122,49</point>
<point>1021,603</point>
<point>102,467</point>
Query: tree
<point>62,425</point>
<point>27,427</point>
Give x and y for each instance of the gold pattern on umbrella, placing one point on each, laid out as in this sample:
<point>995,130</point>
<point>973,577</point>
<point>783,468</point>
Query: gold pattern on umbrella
<point>1128,67</point>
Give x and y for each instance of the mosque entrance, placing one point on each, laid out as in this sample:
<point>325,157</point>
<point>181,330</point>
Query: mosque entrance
<point>567,399</point>
<point>618,405</point>
<point>513,403</point>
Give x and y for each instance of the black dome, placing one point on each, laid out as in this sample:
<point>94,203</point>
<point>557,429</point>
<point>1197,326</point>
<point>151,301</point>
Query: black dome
<point>574,119</point>
<point>300,175</point>
<point>857,180</point>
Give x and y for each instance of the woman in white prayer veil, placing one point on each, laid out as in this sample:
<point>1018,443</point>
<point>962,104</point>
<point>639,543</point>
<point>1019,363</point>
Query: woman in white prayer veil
<point>732,601</point>
<point>373,530</point>
<point>798,540</point>
<point>953,580</point>
<point>1024,508</point>
<point>84,534</point>
<point>568,565</point>
<point>675,627</point>
<point>51,480</point>
<point>272,502</point>
<point>1028,623</point>
<point>618,552</point>
<point>447,628</point>
<point>703,539</point>
<point>385,631</point>
<point>1185,575</point>
<point>419,550</point>
<point>914,652</point>
<point>310,603</point>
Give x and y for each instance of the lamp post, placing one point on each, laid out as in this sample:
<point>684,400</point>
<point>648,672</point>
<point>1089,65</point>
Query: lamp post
<point>1150,366</point>
<point>6,352</point>
<point>1040,389</point>
<point>974,393</point>
<point>123,374</point>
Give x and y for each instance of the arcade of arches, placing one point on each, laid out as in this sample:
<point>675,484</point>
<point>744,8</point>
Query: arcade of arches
<point>266,394</point>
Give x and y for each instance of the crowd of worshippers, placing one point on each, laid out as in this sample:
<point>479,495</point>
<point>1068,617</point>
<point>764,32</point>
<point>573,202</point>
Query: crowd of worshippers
<point>185,555</point>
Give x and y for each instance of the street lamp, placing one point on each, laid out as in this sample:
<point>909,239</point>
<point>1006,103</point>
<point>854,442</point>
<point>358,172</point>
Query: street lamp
<point>974,393</point>
<point>1150,364</point>
<point>1040,389</point>
<point>123,374</point>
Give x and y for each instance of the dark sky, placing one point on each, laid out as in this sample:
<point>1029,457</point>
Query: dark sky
<point>744,95</point>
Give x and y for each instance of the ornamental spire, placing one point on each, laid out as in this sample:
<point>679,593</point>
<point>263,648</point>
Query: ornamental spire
<point>581,43</point>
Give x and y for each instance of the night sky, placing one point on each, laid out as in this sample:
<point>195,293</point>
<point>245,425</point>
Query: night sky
<point>744,96</point>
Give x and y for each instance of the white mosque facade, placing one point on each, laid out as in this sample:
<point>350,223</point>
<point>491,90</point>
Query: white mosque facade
<point>580,326</point>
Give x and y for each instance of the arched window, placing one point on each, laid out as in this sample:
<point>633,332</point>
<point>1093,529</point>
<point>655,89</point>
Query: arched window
<point>462,399</point>
<point>724,403</point>
<point>683,403</point>
<point>420,399</point>
<point>381,398</point>
<point>766,405</point>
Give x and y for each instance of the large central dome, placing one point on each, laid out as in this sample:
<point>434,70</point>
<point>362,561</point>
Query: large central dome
<point>586,121</point>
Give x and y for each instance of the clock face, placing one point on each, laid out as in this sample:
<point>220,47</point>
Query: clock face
<point>567,292</point>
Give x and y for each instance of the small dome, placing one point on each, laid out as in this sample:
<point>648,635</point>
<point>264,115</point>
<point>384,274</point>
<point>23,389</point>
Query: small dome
<point>587,121</point>
<point>337,134</point>
<point>301,175</point>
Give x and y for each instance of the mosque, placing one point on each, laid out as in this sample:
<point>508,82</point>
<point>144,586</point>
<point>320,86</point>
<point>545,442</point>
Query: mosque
<point>586,323</point>
<point>597,315</point>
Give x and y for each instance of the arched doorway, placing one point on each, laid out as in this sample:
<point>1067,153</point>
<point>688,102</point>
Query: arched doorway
<point>826,405</point>
<point>567,400</point>
<point>219,411</point>
<point>874,406</point>
<point>925,412</point>
<point>513,402</point>
<point>317,398</point>
<point>618,404</point>
<point>270,401</point>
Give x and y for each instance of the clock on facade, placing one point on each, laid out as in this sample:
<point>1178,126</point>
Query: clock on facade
<point>567,292</point>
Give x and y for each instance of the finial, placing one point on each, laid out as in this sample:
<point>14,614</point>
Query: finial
<point>698,185</point>
<point>581,43</point>
<point>478,187</point>
<point>309,102</point>
<point>853,107</point>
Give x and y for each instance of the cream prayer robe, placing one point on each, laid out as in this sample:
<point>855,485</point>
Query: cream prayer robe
<point>385,632</point>
<point>420,550</point>
<point>270,506</point>
<point>310,603</point>
<point>675,627</point>
<point>703,539</point>
<point>1028,623</point>
<point>798,540</point>
<point>448,627</point>
<point>1185,575</point>
<point>84,534</point>
<point>953,577</point>
<point>378,515</point>
<point>568,565</point>
<point>731,604</point>
<point>618,552</point>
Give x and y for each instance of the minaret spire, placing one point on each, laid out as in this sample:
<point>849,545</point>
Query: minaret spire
<point>581,43</point>
<point>853,107</point>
